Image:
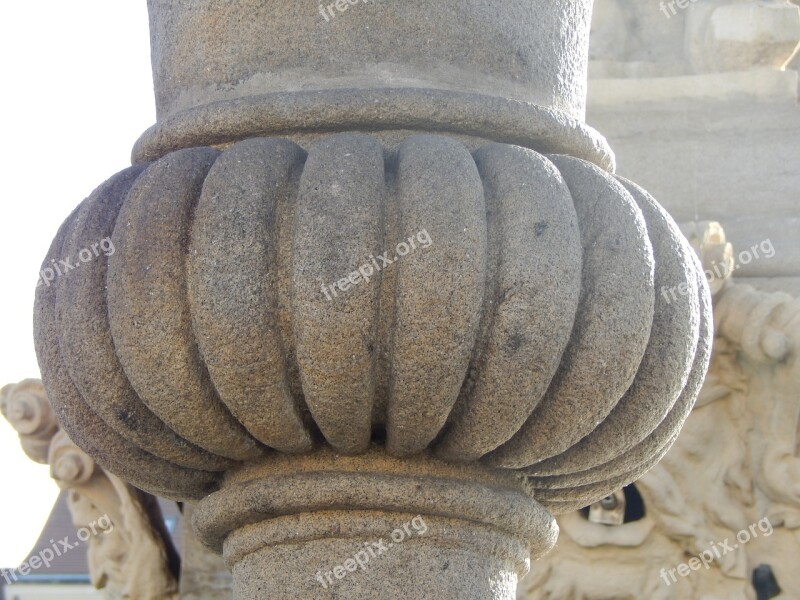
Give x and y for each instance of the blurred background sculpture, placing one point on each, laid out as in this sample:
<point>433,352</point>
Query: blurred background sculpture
<point>132,557</point>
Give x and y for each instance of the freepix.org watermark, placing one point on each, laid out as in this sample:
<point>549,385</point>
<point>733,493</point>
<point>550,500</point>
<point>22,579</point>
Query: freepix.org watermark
<point>717,551</point>
<point>63,267</point>
<point>375,264</point>
<point>758,251</point>
<point>669,10</point>
<point>330,11</point>
<point>371,550</point>
<point>47,556</point>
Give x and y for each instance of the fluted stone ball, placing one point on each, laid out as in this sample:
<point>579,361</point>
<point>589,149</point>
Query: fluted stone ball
<point>498,306</point>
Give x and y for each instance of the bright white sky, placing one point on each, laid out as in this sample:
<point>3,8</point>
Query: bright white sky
<point>76,93</point>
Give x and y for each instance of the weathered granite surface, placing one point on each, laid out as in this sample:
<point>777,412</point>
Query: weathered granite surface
<point>343,297</point>
<point>726,499</point>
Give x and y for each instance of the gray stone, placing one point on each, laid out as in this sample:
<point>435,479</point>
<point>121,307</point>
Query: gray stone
<point>377,67</point>
<point>533,292</point>
<point>673,338</point>
<point>82,424</point>
<point>392,309</point>
<point>437,530</point>
<point>149,310</point>
<point>338,225</point>
<point>87,348</point>
<point>465,346</point>
<point>237,285</point>
<point>612,326</point>
<point>629,465</point>
<point>439,291</point>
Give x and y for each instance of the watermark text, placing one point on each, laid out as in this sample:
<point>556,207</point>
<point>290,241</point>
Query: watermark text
<point>372,550</point>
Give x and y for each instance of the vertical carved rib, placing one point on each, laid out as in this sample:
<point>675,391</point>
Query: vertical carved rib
<point>82,424</point>
<point>87,347</point>
<point>537,283</point>
<point>338,227</point>
<point>615,315</point>
<point>149,309</point>
<point>439,293</point>
<point>233,291</point>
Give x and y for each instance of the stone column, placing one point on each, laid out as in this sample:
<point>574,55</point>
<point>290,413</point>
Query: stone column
<point>326,525</point>
<point>373,276</point>
<point>203,573</point>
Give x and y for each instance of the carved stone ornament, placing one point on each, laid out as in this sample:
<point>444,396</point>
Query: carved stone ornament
<point>356,280</point>
<point>130,553</point>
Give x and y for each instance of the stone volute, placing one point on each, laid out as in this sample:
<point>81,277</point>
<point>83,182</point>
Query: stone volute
<point>372,296</point>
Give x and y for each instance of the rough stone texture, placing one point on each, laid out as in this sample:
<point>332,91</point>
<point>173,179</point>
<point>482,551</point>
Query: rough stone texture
<point>439,294</point>
<point>88,430</point>
<point>88,348</point>
<point>349,286</point>
<point>735,466</point>
<point>452,561</point>
<point>527,325</point>
<point>672,336</point>
<point>204,575</point>
<point>339,205</point>
<point>403,351</point>
<point>150,318</point>
<point>480,526</point>
<point>205,52</point>
<point>237,269</point>
<point>377,67</point>
<point>615,312</point>
<point>424,336</point>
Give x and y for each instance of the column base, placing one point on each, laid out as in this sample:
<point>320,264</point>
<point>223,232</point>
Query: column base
<point>329,526</point>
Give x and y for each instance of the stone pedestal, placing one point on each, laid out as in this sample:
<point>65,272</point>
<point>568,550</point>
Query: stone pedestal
<point>203,572</point>
<point>329,526</point>
<point>445,567</point>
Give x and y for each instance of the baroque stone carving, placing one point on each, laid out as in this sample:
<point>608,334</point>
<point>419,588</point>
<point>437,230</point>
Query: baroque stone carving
<point>25,406</point>
<point>736,464</point>
<point>320,335</point>
<point>131,559</point>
